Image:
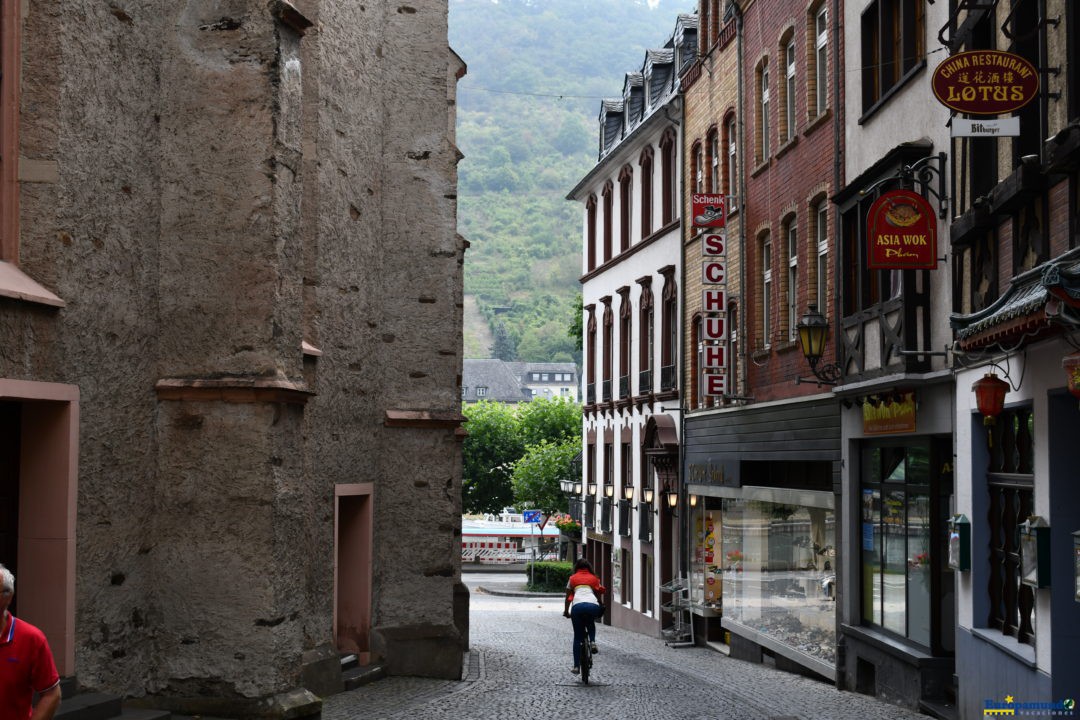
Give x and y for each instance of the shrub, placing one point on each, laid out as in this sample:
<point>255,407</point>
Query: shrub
<point>549,575</point>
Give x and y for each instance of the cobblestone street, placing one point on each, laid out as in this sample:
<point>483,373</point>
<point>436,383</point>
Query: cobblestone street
<point>518,668</point>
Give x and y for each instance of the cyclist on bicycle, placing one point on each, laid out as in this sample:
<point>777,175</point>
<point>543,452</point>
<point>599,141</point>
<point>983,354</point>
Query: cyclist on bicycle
<point>584,604</point>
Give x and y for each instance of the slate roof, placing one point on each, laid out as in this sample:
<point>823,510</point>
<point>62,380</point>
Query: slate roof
<point>1036,303</point>
<point>495,375</point>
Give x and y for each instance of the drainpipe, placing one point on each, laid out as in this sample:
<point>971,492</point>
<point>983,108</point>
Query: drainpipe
<point>744,380</point>
<point>838,178</point>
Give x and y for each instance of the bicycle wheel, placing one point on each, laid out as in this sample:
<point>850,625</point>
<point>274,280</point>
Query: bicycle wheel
<point>586,659</point>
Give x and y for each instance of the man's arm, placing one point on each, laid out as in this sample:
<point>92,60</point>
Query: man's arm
<point>48,703</point>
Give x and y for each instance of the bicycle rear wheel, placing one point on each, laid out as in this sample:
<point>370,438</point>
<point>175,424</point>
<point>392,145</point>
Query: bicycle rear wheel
<point>586,660</point>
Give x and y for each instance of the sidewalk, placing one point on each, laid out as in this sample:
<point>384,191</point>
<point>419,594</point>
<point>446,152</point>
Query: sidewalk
<point>516,590</point>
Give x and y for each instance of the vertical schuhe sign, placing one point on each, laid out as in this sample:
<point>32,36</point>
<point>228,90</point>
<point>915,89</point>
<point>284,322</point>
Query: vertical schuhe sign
<point>710,212</point>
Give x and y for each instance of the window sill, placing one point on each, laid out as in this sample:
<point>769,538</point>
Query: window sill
<point>761,353</point>
<point>1008,645</point>
<point>17,285</point>
<point>817,122</point>
<point>761,167</point>
<point>786,147</point>
<point>891,92</point>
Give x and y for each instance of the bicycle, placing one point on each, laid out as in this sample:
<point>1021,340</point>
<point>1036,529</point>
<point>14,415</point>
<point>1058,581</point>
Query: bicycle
<point>586,658</point>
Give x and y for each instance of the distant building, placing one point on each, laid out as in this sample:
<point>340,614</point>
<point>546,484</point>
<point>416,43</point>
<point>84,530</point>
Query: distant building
<point>514,382</point>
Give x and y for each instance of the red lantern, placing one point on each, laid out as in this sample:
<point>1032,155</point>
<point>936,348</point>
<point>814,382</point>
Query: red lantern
<point>990,396</point>
<point>1071,365</point>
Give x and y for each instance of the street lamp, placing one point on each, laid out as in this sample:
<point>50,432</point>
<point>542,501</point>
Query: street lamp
<point>647,495</point>
<point>628,492</point>
<point>813,329</point>
<point>609,491</point>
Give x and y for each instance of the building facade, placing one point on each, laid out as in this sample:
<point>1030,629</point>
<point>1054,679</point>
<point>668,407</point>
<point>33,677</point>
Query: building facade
<point>221,332</point>
<point>1015,238</point>
<point>631,286</point>
<point>762,448</point>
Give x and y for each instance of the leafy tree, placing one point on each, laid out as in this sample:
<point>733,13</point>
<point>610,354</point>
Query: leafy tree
<point>488,454</point>
<point>576,323</point>
<point>504,347</point>
<point>554,420</point>
<point>538,473</point>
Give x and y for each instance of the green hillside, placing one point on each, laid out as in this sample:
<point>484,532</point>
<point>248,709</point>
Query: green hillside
<point>527,113</point>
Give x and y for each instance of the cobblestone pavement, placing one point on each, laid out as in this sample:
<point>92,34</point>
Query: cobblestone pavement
<point>518,668</point>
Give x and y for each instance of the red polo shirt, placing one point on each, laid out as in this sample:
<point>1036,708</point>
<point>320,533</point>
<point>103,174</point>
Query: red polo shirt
<point>26,664</point>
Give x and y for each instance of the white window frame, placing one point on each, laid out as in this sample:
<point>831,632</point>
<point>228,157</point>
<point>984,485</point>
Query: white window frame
<point>789,104</point>
<point>763,111</point>
<point>821,55</point>
<point>699,169</point>
<point>766,290</point>
<point>714,162</point>
<point>792,280</point>
<point>481,391</point>
<point>822,223</point>
<point>732,156</point>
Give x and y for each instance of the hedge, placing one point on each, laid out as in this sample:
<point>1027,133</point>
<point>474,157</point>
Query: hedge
<point>548,575</point>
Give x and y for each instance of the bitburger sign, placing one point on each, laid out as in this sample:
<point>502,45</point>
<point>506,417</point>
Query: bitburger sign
<point>985,82</point>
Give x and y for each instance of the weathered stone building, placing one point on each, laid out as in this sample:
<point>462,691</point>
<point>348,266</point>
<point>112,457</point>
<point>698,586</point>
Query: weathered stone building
<point>230,304</point>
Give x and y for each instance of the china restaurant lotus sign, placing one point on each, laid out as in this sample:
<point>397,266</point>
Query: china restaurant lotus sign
<point>985,82</point>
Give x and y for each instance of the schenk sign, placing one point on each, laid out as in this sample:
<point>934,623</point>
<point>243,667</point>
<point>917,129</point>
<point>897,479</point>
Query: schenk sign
<point>985,82</point>
<point>901,231</point>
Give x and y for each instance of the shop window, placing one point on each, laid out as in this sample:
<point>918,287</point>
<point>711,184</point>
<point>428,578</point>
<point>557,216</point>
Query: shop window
<point>646,165</point>
<point>1010,484</point>
<point>893,47</point>
<point>626,202</point>
<point>777,559</point>
<point>896,539</point>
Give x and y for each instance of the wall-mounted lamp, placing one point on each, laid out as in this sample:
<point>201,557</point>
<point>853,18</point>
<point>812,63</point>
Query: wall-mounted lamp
<point>647,495</point>
<point>693,500</point>
<point>672,497</point>
<point>565,485</point>
<point>1035,552</point>
<point>592,487</point>
<point>577,487</point>
<point>813,330</point>
<point>959,543</point>
<point>609,491</point>
<point>990,398</point>
<point>628,492</point>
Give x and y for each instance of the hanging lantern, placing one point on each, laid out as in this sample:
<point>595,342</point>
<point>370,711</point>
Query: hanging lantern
<point>1071,365</point>
<point>990,396</point>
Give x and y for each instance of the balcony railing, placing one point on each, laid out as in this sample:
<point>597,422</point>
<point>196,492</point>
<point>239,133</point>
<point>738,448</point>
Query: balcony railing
<point>644,382</point>
<point>624,386</point>
<point>605,391</point>
<point>668,377</point>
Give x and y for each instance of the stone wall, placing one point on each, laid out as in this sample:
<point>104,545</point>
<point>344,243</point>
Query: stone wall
<point>222,183</point>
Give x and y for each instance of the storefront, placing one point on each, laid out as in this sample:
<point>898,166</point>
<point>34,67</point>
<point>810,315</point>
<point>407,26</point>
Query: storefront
<point>763,551</point>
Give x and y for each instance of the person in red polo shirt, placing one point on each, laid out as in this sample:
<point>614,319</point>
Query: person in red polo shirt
<point>584,604</point>
<point>26,664</point>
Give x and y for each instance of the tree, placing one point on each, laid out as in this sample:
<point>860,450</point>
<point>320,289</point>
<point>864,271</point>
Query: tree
<point>538,473</point>
<point>554,420</point>
<point>576,322</point>
<point>503,349</point>
<point>488,454</point>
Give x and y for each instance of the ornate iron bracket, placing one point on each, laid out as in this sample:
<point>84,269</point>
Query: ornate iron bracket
<point>922,171</point>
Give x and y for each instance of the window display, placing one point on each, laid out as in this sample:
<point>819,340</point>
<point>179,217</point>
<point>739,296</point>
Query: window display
<point>706,567</point>
<point>778,564</point>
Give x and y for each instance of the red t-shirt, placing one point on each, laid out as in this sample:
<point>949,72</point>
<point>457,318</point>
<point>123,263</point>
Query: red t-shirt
<point>26,666</point>
<point>584,577</point>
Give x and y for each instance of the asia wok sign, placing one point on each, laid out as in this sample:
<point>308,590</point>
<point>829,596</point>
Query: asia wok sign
<point>901,232</point>
<point>985,82</point>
